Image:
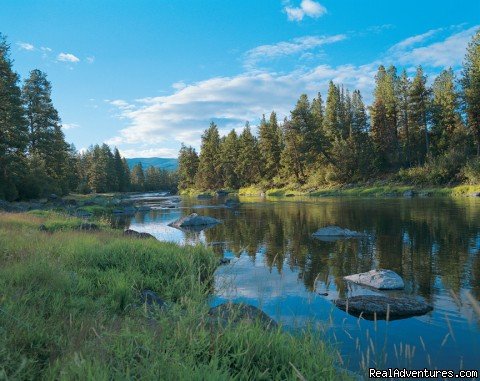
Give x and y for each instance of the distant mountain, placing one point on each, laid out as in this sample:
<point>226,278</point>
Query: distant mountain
<point>158,162</point>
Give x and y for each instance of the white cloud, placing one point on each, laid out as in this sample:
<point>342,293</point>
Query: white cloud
<point>25,46</point>
<point>308,8</point>
<point>445,53</point>
<point>67,57</point>
<point>90,59</point>
<point>69,126</point>
<point>150,152</point>
<point>286,48</point>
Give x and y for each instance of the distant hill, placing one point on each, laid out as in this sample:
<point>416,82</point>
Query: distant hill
<point>158,162</point>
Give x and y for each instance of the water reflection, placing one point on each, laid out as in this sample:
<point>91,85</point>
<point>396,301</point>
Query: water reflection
<point>432,243</point>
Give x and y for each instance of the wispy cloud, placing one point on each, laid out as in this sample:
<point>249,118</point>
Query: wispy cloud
<point>286,48</point>
<point>307,8</point>
<point>25,46</point>
<point>444,53</point>
<point>150,152</point>
<point>90,59</point>
<point>69,126</point>
<point>68,57</point>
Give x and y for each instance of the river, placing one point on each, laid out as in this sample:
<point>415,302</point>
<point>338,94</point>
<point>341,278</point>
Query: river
<point>276,264</point>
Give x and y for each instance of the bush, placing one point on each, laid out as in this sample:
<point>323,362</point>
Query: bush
<point>471,171</point>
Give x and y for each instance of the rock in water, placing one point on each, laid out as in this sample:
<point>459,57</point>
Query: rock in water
<point>194,220</point>
<point>237,312</point>
<point>332,233</point>
<point>370,305</point>
<point>379,279</point>
<point>135,234</point>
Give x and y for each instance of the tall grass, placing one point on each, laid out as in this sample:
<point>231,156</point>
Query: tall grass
<point>70,309</point>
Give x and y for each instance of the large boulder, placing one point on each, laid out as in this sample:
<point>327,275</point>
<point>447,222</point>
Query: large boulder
<point>333,233</point>
<point>379,279</point>
<point>237,312</point>
<point>134,234</point>
<point>382,307</point>
<point>194,220</point>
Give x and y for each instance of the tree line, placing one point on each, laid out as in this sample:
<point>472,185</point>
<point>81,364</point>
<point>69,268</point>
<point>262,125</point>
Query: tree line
<point>412,132</point>
<point>35,159</point>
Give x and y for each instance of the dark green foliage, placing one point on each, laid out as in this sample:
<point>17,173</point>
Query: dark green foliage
<point>229,155</point>
<point>209,175</point>
<point>13,127</point>
<point>137,178</point>
<point>471,88</point>
<point>248,163</point>
<point>187,167</point>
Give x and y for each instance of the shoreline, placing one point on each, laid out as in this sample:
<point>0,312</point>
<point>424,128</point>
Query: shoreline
<point>377,190</point>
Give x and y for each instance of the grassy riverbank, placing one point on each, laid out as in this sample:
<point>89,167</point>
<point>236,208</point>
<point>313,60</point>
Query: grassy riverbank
<point>376,190</point>
<point>70,309</point>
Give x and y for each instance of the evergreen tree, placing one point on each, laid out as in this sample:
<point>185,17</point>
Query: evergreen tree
<point>333,110</point>
<point>269,144</point>
<point>120,175</point>
<point>404,86</point>
<point>384,112</point>
<point>470,82</point>
<point>229,156</point>
<point>13,128</point>
<point>138,178</point>
<point>153,179</point>
<point>209,166</point>
<point>445,116</point>
<point>418,114</point>
<point>187,167</point>
<point>248,163</point>
<point>46,138</point>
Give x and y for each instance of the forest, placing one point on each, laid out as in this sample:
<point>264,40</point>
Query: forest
<point>414,133</point>
<point>35,159</point>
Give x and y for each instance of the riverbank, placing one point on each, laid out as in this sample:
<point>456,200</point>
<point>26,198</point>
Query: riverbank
<point>71,308</point>
<point>375,190</point>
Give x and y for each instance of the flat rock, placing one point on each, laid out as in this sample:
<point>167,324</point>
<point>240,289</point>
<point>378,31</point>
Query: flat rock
<point>332,233</point>
<point>369,306</point>
<point>135,234</point>
<point>379,279</point>
<point>237,312</point>
<point>194,220</point>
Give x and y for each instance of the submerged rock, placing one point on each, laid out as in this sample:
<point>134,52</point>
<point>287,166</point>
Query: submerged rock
<point>332,233</point>
<point>237,312</point>
<point>194,220</point>
<point>369,306</point>
<point>231,203</point>
<point>224,261</point>
<point>135,234</point>
<point>379,279</point>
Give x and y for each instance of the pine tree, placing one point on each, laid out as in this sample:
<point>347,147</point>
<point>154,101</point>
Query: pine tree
<point>229,156</point>
<point>187,167</point>
<point>418,114</point>
<point>13,128</point>
<point>404,86</point>
<point>120,175</point>
<point>445,116</point>
<point>248,163</point>
<point>46,138</point>
<point>138,178</point>
<point>153,179</point>
<point>209,166</point>
<point>470,82</point>
<point>332,125</point>
<point>384,113</point>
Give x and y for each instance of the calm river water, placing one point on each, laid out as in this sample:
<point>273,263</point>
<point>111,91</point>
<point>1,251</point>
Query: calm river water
<point>433,243</point>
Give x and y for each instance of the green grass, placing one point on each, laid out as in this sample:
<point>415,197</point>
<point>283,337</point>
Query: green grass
<point>69,310</point>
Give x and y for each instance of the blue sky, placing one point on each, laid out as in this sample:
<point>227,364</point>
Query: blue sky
<point>148,75</point>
